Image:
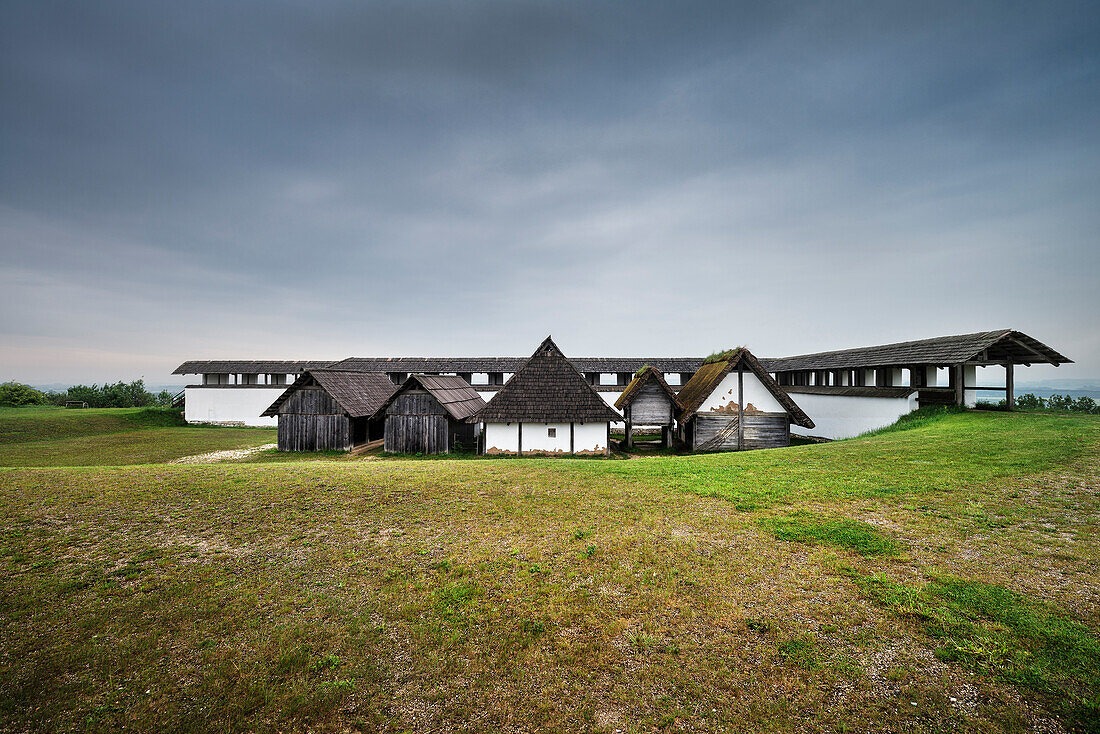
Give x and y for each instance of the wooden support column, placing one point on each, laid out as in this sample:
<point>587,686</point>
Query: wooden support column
<point>1010,394</point>
<point>740,406</point>
<point>571,449</point>
<point>958,380</point>
<point>629,441</point>
<point>519,432</point>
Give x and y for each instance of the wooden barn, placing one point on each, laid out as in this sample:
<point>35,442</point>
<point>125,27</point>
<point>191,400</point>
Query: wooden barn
<point>428,414</point>
<point>733,404</point>
<point>649,401</point>
<point>330,410</point>
<point>547,407</point>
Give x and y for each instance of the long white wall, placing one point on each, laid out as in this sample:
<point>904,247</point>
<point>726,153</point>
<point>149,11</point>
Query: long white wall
<point>842,416</point>
<point>756,395</point>
<point>504,438</point>
<point>228,405</point>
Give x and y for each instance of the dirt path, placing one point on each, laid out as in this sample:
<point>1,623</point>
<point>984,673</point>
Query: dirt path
<point>214,457</point>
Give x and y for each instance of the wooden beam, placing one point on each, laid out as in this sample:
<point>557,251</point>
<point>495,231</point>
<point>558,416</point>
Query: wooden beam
<point>519,431</point>
<point>960,389</point>
<point>1010,396</point>
<point>571,449</point>
<point>740,405</point>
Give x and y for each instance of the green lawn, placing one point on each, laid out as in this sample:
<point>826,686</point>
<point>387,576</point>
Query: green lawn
<point>111,436</point>
<point>939,578</point>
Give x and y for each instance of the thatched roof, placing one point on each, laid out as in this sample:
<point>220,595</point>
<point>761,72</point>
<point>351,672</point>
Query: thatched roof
<point>645,376</point>
<point>706,381</point>
<point>453,393</point>
<point>358,393</point>
<point>547,388</point>
<point>984,346</point>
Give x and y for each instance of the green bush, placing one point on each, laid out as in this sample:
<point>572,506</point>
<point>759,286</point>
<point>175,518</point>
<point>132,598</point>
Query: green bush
<point>16,394</point>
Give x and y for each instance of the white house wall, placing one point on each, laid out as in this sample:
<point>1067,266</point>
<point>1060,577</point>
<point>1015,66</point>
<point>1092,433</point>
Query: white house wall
<point>842,416</point>
<point>504,438</point>
<point>231,406</point>
<point>756,395</point>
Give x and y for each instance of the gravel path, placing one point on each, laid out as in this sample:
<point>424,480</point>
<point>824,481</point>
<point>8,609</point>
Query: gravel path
<point>214,457</point>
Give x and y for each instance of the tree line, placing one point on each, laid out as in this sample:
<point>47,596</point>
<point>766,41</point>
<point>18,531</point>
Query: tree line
<point>108,395</point>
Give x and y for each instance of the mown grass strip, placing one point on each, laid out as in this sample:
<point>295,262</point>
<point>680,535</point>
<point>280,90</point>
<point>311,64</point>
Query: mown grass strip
<point>854,535</point>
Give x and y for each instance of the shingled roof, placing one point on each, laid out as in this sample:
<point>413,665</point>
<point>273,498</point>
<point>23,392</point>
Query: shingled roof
<point>453,393</point>
<point>984,346</point>
<point>547,388</point>
<point>247,366</point>
<point>358,393</point>
<point>415,365</point>
<point>647,374</point>
<point>710,375</point>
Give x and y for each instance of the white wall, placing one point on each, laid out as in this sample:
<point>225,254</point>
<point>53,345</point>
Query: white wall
<point>504,437</point>
<point>841,416</point>
<point>240,406</point>
<point>755,394</point>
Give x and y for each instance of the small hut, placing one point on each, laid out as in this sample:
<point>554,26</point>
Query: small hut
<point>547,408</point>
<point>330,410</point>
<point>649,401</point>
<point>428,413</point>
<point>733,404</point>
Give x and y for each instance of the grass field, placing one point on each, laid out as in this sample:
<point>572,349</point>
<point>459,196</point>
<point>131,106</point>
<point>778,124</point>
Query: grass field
<point>48,436</point>
<point>939,577</point>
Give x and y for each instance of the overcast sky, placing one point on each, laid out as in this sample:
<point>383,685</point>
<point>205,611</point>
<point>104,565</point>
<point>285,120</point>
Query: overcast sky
<point>321,180</point>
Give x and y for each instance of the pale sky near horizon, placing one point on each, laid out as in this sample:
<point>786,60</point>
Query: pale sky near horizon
<point>331,179</point>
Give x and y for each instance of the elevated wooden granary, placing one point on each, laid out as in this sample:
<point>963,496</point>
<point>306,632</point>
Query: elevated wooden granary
<point>428,414</point>
<point>732,404</point>
<point>649,401</point>
<point>330,410</point>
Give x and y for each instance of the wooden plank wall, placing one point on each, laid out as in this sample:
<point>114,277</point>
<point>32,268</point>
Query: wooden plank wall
<point>651,407</point>
<point>417,424</point>
<point>761,431</point>
<point>416,434</point>
<point>301,432</point>
<point>310,420</point>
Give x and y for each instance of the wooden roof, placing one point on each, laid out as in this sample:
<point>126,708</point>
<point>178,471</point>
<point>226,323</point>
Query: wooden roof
<point>706,381</point>
<point>547,388</point>
<point>985,346</point>
<point>418,365</point>
<point>358,393</point>
<point>645,376</point>
<point>247,366</point>
<point>453,393</point>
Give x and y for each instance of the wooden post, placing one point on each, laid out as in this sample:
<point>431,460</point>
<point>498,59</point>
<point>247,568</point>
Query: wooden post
<point>740,406</point>
<point>957,375</point>
<point>571,449</point>
<point>629,441</point>
<point>1010,394</point>
<point>520,440</point>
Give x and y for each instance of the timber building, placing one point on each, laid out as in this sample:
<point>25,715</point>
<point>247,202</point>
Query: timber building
<point>428,414</point>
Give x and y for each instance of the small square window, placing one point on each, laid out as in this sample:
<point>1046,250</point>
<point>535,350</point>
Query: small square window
<point>551,432</point>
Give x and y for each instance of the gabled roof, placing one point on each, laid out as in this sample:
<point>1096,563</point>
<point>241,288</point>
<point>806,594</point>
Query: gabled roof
<point>985,346</point>
<point>645,376</point>
<point>547,388</point>
<point>247,366</point>
<point>358,393</point>
<point>453,393</point>
<point>710,375</point>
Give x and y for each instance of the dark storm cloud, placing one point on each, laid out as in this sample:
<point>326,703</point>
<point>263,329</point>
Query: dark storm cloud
<point>269,179</point>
